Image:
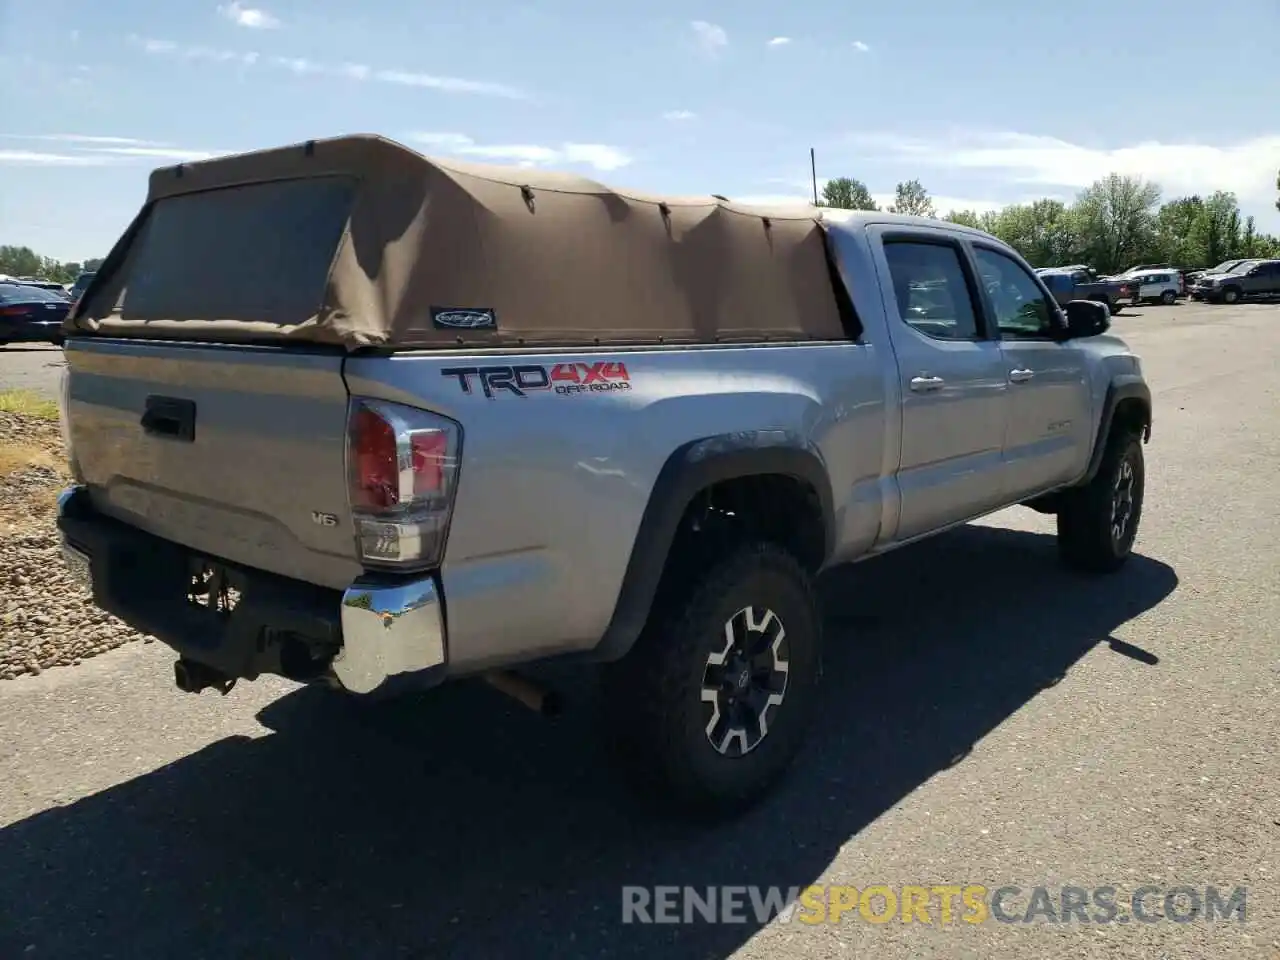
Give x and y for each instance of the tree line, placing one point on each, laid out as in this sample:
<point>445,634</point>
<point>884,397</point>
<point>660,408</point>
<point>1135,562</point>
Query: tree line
<point>25,262</point>
<point>1113,224</point>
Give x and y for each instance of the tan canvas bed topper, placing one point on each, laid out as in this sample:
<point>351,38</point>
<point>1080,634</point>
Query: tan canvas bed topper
<point>359,242</point>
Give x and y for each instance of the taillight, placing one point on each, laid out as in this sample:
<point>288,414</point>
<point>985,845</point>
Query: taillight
<point>13,311</point>
<point>402,464</point>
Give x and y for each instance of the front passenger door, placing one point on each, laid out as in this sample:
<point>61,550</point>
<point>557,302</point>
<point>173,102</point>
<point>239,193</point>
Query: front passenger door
<point>1048,434</point>
<point>1264,280</point>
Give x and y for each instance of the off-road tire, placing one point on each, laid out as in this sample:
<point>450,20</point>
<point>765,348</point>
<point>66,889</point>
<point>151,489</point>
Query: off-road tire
<point>654,695</point>
<point>1086,536</point>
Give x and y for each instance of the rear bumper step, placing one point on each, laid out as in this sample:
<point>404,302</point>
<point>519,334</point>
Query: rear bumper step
<point>381,635</point>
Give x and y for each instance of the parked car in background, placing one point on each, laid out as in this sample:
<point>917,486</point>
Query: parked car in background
<point>51,285</point>
<point>1248,278</point>
<point>1070,284</point>
<point>1182,274</point>
<point>30,314</point>
<point>1155,286</point>
<point>1227,266</point>
<point>82,283</point>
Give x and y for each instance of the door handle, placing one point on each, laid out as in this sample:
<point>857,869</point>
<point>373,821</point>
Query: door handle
<point>1021,375</point>
<point>925,384</point>
<point>170,417</point>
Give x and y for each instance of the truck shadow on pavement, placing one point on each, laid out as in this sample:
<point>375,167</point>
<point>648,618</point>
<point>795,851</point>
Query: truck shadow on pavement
<point>459,824</point>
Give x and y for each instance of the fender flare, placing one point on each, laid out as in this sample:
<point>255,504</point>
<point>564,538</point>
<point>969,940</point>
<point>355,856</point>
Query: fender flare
<point>690,469</point>
<point>1122,388</point>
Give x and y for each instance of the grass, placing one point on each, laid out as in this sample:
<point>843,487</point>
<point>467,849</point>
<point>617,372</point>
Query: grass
<point>28,403</point>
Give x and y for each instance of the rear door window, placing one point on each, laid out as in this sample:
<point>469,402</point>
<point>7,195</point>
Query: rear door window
<point>930,285</point>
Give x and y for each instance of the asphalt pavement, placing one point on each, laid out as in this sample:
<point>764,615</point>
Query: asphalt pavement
<point>987,718</point>
<point>31,366</point>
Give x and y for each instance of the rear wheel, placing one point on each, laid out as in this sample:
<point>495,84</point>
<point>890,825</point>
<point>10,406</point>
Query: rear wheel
<point>715,697</point>
<point>1168,298</point>
<point>1097,523</point>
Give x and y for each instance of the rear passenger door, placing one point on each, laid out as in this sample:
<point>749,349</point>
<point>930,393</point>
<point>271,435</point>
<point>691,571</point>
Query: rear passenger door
<point>1048,435</point>
<point>952,379</point>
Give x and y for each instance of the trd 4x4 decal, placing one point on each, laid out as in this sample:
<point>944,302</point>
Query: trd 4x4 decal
<point>563,379</point>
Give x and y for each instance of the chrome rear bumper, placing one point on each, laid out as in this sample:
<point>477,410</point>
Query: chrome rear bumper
<point>388,632</point>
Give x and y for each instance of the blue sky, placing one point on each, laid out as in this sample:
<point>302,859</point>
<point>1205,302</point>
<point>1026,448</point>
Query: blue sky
<point>986,103</point>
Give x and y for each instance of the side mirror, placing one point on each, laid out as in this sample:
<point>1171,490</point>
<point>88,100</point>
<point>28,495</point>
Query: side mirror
<point>1086,318</point>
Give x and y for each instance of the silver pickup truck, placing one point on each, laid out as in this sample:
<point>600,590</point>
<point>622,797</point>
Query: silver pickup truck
<point>355,417</point>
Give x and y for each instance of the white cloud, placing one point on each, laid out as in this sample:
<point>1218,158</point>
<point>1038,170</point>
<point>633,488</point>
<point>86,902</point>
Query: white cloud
<point>446,141</point>
<point>772,199</point>
<point>779,41</point>
<point>860,46</point>
<point>251,17</point>
<point>596,155</point>
<point>802,195</point>
<point>677,116</point>
<point>170,49</point>
<point>159,153</point>
<point>34,158</point>
<point>944,205</point>
<point>297,64</point>
<point>450,84</point>
<point>349,71</point>
<point>91,150</point>
<point>1246,167</point>
<point>711,38</point>
<point>83,138</point>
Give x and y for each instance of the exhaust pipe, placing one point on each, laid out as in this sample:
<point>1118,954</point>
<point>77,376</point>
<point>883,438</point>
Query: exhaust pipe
<point>192,677</point>
<point>531,694</point>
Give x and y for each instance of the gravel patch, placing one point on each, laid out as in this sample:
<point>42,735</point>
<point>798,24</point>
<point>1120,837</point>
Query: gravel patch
<point>46,618</point>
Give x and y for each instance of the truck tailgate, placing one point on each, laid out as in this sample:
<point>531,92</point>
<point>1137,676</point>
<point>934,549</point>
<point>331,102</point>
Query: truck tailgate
<point>235,451</point>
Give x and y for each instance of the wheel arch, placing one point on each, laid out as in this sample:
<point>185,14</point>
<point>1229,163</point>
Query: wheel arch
<point>692,469</point>
<point>1127,405</point>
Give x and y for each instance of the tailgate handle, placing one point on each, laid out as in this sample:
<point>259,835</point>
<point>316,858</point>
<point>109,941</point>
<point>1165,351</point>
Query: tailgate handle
<point>170,417</point>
